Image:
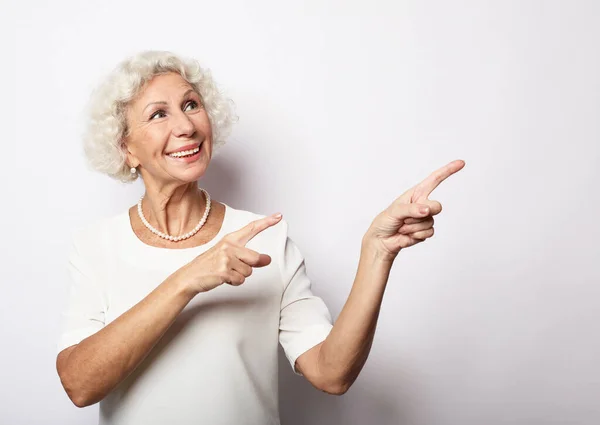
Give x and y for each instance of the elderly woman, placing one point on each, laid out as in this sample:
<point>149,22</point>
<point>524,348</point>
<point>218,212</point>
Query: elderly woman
<point>177,306</point>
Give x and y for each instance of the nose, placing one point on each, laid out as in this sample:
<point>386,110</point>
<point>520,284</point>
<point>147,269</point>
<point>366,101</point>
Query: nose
<point>182,125</point>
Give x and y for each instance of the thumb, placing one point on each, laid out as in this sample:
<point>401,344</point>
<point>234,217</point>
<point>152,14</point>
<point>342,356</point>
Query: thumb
<point>263,260</point>
<point>404,211</point>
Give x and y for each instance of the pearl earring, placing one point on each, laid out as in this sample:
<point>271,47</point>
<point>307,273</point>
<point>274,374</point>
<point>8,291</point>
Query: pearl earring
<point>133,170</point>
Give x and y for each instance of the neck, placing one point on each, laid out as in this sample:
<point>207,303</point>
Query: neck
<point>174,211</point>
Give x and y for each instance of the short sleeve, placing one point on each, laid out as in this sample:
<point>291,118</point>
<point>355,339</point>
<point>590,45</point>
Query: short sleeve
<point>305,320</point>
<point>84,311</point>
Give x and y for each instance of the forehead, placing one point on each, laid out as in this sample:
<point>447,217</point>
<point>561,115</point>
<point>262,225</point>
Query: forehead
<point>163,86</point>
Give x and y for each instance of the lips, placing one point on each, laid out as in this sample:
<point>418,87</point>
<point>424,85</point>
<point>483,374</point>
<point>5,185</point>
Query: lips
<point>185,148</point>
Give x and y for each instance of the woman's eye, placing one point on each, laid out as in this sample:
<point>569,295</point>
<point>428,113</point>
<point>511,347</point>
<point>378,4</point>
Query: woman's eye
<point>191,102</point>
<point>155,115</point>
<point>161,113</point>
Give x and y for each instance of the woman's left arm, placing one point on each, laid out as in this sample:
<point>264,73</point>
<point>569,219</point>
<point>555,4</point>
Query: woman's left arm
<point>334,364</point>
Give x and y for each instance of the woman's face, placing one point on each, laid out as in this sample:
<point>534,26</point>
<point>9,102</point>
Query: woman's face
<point>168,115</point>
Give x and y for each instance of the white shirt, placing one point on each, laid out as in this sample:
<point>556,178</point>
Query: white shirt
<point>217,363</point>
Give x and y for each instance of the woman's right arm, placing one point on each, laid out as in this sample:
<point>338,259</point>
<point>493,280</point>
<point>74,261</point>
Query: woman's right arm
<point>91,369</point>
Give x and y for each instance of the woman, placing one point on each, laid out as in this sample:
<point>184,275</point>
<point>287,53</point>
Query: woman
<point>176,306</point>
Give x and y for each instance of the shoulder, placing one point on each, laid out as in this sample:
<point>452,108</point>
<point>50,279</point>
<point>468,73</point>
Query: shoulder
<point>92,237</point>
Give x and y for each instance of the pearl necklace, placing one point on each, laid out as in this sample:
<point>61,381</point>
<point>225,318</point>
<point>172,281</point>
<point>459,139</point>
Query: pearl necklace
<point>181,237</point>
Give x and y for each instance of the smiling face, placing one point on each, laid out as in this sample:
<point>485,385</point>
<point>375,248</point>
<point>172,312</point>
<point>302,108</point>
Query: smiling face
<point>166,116</point>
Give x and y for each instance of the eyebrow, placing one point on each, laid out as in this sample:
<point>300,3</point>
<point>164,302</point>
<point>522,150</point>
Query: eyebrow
<point>162,102</point>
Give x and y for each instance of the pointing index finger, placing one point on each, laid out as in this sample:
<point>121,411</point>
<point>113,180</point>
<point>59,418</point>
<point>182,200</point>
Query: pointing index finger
<point>424,189</point>
<point>246,233</point>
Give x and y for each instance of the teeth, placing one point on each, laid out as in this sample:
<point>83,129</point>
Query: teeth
<point>184,153</point>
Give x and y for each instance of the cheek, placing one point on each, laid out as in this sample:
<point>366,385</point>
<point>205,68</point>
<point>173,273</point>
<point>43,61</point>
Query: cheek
<point>155,138</point>
<point>149,146</point>
<point>203,123</point>
<point>208,130</point>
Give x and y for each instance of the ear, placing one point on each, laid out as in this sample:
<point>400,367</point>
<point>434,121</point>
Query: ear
<point>131,159</point>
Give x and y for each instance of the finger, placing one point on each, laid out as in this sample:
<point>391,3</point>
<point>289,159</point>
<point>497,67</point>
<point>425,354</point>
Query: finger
<point>241,267</point>
<point>405,211</point>
<point>413,221</point>
<point>424,189</point>
<point>235,278</point>
<point>246,233</point>
<point>404,241</point>
<point>423,234</point>
<point>407,229</point>
<point>434,209</point>
<point>253,258</point>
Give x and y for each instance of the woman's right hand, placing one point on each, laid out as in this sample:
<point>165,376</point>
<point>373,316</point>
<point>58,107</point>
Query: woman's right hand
<point>229,261</point>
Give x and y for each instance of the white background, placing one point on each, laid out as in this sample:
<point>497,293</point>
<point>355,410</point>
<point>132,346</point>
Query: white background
<point>343,106</point>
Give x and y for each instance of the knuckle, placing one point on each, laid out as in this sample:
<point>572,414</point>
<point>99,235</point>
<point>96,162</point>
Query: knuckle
<point>252,256</point>
<point>224,260</point>
<point>224,270</point>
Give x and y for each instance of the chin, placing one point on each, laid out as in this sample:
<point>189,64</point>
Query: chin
<point>193,173</point>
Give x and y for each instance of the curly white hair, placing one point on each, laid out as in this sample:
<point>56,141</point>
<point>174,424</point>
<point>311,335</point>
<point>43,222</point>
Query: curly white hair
<point>105,130</point>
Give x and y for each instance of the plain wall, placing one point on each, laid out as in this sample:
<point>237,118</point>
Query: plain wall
<point>343,106</point>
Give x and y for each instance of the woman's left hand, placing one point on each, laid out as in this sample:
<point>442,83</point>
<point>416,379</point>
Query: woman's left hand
<point>402,224</point>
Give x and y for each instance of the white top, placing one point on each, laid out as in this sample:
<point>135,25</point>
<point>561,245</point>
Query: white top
<point>217,363</point>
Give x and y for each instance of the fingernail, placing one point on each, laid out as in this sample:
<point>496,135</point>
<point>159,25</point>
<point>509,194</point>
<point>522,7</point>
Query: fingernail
<point>278,215</point>
<point>424,210</point>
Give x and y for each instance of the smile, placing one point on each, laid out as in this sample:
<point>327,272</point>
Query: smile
<point>183,154</point>
<point>186,156</point>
